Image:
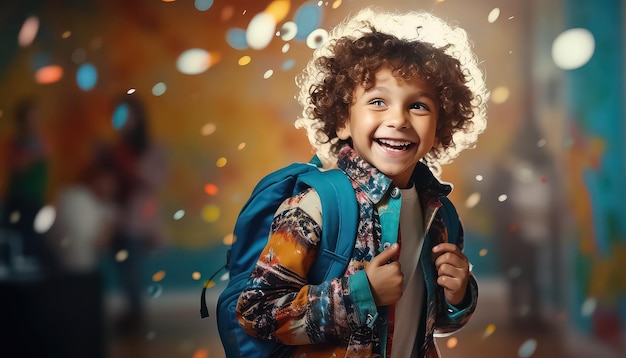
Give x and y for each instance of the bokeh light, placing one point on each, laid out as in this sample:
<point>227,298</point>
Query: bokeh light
<point>194,61</point>
<point>452,342</point>
<point>229,239</point>
<point>210,189</point>
<point>221,162</point>
<point>278,9</point>
<point>244,60</point>
<point>211,213</point>
<point>260,31</point>
<point>28,32</point>
<point>203,5</point>
<point>316,38</point>
<point>44,219</point>
<point>308,17</point>
<point>179,214</point>
<point>493,15</point>
<point>121,255</point>
<point>48,74</point>
<point>158,276</point>
<point>159,89</point>
<point>288,31</point>
<point>236,38</point>
<point>208,129</point>
<point>120,116</point>
<point>527,348</point>
<point>472,200</point>
<point>573,48</point>
<point>86,76</point>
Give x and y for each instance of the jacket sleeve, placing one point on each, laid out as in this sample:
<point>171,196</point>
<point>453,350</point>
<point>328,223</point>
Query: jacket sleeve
<point>451,318</point>
<point>279,304</point>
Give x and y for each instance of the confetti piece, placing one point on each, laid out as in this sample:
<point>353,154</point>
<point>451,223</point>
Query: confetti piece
<point>196,275</point>
<point>479,177</point>
<point>236,38</point>
<point>44,219</point>
<point>502,198</point>
<point>244,60</point>
<point>483,252</point>
<point>225,276</point>
<point>179,214</point>
<point>241,146</point>
<point>588,307</point>
<point>155,290</point>
<point>221,162</point>
<point>158,276</point>
<point>268,74</point>
<point>285,48</point>
<point>472,200</point>
<point>452,342</point>
<point>336,4</point>
<point>66,35</point>
<point>208,129</point>
<point>527,348</point>
<point>278,9</point>
<point>28,32</point>
<point>130,91</point>
<point>493,15</point>
<point>288,65</point>
<point>491,328</point>
<point>121,256</point>
<point>159,89</point>
<point>209,284</point>
<point>541,143</point>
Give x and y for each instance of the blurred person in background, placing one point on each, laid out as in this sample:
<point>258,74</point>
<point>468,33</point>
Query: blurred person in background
<point>26,164</point>
<point>140,172</point>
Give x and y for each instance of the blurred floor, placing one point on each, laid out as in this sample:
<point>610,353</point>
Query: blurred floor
<point>174,329</point>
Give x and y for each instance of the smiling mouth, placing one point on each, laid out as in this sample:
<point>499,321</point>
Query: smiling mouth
<point>397,145</point>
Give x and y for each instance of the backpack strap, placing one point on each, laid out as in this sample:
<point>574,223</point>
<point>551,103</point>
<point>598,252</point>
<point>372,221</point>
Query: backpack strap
<point>451,219</point>
<point>339,223</point>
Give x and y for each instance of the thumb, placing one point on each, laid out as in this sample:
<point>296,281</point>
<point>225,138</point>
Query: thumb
<point>390,254</point>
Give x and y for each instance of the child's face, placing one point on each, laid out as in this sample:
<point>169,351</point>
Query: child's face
<point>392,124</point>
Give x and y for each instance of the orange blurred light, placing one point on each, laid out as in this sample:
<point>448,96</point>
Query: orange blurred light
<point>278,9</point>
<point>49,74</point>
<point>210,189</point>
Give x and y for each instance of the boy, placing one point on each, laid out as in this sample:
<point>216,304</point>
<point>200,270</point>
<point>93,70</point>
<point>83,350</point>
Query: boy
<point>386,104</point>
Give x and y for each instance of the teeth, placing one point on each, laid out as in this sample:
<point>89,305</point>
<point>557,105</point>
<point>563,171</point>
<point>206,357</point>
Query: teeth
<point>394,143</point>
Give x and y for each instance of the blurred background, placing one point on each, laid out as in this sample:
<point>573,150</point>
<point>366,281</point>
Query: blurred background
<point>132,132</point>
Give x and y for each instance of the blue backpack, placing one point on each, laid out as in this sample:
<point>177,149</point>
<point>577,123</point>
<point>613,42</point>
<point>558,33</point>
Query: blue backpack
<point>339,222</point>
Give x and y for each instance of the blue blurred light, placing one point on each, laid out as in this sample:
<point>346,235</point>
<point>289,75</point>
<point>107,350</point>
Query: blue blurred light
<point>120,116</point>
<point>203,5</point>
<point>236,38</point>
<point>86,76</point>
<point>308,18</point>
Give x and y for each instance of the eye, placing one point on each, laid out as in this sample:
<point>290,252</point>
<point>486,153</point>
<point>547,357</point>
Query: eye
<point>377,103</point>
<point>420,106</point>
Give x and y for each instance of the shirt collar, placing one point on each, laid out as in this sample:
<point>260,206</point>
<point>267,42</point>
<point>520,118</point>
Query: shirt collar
<point>375,184</point>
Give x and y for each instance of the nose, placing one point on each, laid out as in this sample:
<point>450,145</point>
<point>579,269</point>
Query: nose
<point>398,118</point>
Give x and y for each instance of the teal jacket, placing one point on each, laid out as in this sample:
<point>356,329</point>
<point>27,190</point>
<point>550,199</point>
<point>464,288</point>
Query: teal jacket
<point>340,317</point>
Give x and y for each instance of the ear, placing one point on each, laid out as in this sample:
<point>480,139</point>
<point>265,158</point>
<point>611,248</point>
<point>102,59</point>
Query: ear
<point>343,130</point>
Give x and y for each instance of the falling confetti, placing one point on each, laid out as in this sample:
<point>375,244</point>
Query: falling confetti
<point>194,61</point>
<point>452,342</point>
<point>502,198</point>
<point>316,38</point>
<point>493,15</point>
<point>155,290</point>
<point>472,200</point>
<point>196,275</point>
<point>66,35</point>
<point>28,32</point>
<point>308,17</point>
<point>158,276</point>
<point>221,162</point>
<point>130,91</point>
<point>479,177</point>
<point>483,252</point>
<point>121,256</point>
<point>588,307</point>
<point>491,328</point>
<point>203,5</point>
<point>527,348</point>
<point>44,219</point>
<point>179,214</point>
<point>241,146</point>
<point>268,74</point>
<point>285,48</point>
<point>120,116</point>
<point>208,129</point>
<point>244,60</point>
<point>159,89</point>
<point>288,31</point>
<point>336,4</point>
<point>500,95</point>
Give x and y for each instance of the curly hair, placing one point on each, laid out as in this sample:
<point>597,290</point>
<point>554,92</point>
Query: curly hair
<point>360,47</point>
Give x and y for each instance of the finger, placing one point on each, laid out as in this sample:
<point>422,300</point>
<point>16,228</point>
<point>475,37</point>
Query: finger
<point>452,271</point>
<point>389,254</point>
<point>447,247</point>
<point>452,260</point>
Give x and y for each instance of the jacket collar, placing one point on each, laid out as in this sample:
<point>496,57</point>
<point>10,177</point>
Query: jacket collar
<point>375,184</point>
